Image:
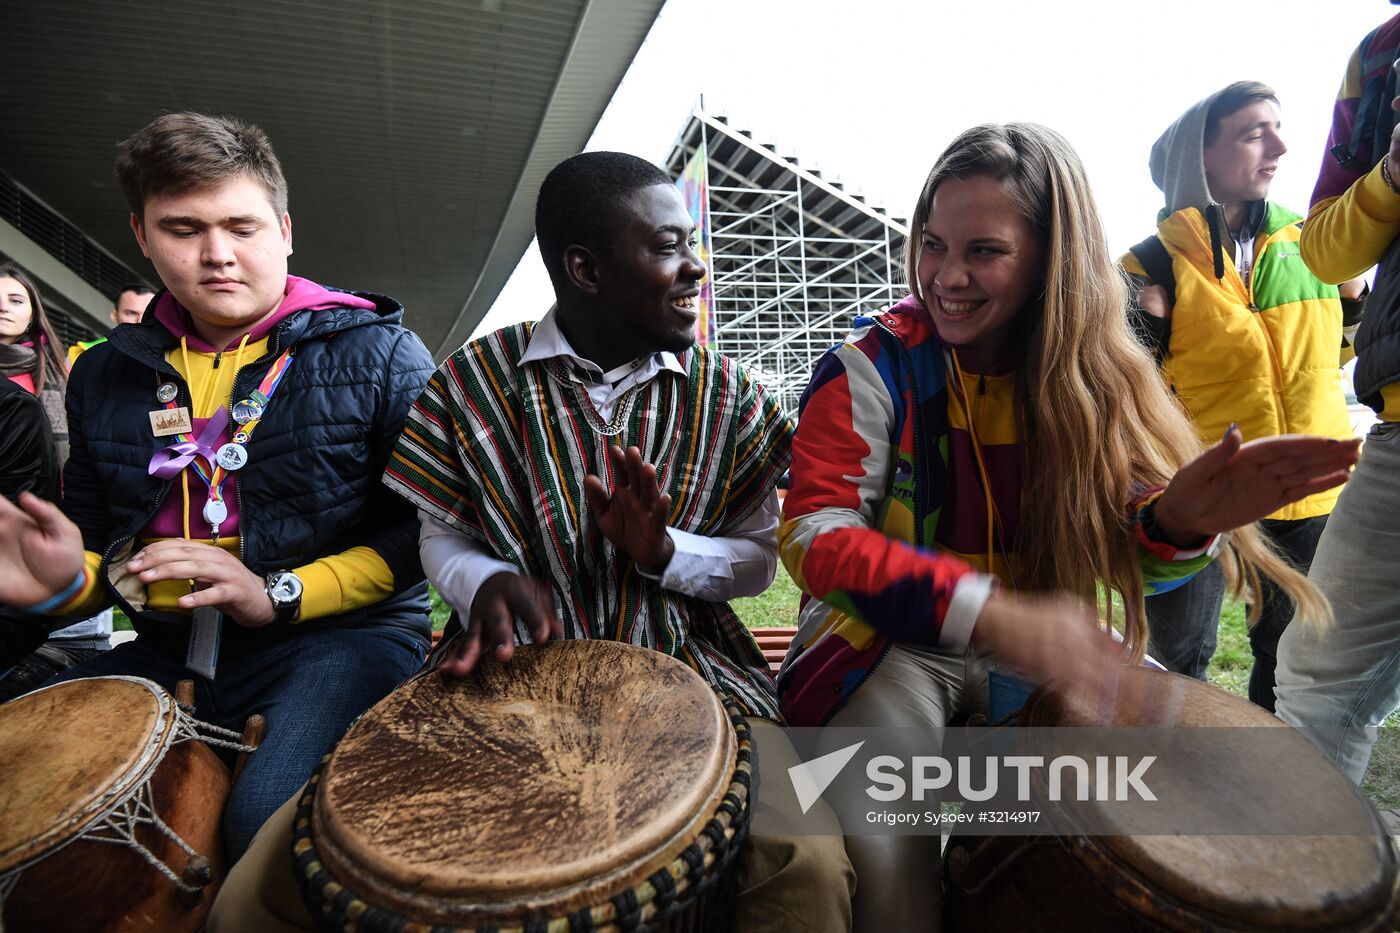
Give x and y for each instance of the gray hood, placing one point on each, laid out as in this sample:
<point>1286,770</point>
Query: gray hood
<point>1178,167</point>
<point>1178,160</point>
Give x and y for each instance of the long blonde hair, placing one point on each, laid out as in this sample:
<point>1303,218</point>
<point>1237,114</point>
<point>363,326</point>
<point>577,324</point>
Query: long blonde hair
<point>1097,424</point>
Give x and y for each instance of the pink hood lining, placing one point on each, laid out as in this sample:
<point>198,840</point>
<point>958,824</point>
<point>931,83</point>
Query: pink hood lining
<point>300,295</point>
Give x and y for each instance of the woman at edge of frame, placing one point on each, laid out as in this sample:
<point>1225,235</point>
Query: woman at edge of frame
<point>976,466</point>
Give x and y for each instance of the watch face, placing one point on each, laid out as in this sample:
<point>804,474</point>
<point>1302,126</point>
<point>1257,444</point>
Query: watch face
<point>284,588</point>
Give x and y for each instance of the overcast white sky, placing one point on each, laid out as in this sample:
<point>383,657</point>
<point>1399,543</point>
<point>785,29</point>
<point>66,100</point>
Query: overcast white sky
<point>871,91</point>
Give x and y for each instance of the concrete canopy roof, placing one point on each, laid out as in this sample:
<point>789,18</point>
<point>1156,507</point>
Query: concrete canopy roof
<point>413,133</point>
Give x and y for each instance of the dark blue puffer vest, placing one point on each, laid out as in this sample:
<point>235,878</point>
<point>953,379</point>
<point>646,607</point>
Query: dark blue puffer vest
<point>311,487</point>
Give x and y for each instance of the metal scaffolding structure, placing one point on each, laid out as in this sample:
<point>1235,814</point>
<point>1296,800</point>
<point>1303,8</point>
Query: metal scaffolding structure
<point>793,258</point>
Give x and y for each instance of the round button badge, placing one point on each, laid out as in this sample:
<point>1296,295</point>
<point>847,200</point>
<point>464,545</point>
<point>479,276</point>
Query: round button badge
<point>247,410</point>
<point>232,456</point>
<point>166,392</point>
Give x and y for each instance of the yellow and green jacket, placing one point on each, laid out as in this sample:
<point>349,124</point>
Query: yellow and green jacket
<point>77,349</point>
<point>1265,356</point>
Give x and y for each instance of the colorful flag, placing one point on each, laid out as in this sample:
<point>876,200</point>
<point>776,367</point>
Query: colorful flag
<point>695,186</point>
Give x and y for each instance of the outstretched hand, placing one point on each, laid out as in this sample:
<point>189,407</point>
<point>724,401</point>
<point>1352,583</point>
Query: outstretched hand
<point>633,518</point>
<point>489,631</point>
<point>41,551</point>
<point>1233,483</point>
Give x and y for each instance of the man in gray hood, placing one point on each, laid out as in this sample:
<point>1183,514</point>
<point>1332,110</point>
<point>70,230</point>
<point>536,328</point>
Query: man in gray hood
<point>1244,334</point>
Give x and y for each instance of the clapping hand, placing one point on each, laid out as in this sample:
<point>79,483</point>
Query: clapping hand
<point>633,518</point>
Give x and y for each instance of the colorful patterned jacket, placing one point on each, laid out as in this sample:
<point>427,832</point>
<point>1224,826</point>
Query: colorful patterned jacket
<point>870,481</point>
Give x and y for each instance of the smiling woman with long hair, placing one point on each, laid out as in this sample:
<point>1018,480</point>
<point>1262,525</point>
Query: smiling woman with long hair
<point>31,354</point>
<point>977,466</point>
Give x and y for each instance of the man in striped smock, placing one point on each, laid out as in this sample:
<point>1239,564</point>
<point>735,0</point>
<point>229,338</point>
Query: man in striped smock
<point>537,523</point>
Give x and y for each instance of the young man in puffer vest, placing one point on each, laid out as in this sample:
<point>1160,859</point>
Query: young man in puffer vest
<point>1244,334</point>
<point>224,483</point>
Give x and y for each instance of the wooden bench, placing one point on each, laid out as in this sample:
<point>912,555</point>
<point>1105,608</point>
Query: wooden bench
<point>773,642</point>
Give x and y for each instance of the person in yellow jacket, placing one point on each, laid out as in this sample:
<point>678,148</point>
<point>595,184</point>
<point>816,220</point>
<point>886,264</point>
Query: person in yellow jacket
<point>1245,334</point>
<point>1340,685</point>
<point>129,308</point>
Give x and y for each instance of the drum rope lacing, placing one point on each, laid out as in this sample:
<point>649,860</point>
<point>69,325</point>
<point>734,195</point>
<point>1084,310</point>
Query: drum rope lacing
<point>123,813</point>
<point>129,815</point>
<point>187,728</point>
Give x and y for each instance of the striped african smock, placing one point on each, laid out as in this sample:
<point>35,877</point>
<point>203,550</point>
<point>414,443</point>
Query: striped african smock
<point>499,450</point>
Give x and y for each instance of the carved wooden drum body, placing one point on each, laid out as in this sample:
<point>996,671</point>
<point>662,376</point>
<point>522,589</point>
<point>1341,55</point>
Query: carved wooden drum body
<point>585,782</point>
<point>110,810</point>
<point>1252,883</point>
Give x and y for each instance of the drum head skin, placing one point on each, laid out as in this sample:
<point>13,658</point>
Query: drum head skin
<point>67,753</point>
<point>1242,882</point>
<point>543,784</point>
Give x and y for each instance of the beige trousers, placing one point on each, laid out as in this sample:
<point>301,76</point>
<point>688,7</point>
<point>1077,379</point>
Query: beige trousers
<point>786,883</point>
<point>918,689</point>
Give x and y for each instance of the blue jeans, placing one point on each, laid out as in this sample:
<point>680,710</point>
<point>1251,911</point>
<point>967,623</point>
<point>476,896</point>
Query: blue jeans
<point>310,687</point>
<point>1182,622</point>
<point>1338,686</point>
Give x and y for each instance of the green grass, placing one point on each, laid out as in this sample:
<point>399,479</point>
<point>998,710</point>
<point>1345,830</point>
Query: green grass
<point>775,606</point>
<point>440,609</point>
<point>1230,666</point>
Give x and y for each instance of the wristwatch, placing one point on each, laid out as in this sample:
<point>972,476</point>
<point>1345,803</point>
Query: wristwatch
<point>284,589</point>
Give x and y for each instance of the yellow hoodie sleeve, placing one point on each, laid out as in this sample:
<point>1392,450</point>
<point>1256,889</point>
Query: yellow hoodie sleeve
<point>92,598</point>
<point>342,582</point>
<point>1345,236</point>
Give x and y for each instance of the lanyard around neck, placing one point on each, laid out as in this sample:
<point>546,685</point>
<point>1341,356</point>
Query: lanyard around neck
<point>247,414</point>
<point>994,523</point>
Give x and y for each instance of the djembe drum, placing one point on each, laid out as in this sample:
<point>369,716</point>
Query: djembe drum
<point>583,785</point>
<point>1125,882</point>
<point>110,804</point>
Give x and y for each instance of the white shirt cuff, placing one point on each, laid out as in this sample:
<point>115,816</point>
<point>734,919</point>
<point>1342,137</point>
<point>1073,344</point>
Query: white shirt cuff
<point>969,596</point>
<point>697,559</point>
<point>455,564</point>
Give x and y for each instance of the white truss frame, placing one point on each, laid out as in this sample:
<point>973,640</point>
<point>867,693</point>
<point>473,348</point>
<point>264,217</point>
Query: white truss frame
<point>793,258</point>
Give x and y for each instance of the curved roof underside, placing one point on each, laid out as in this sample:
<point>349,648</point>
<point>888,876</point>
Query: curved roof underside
<point>413,133</point>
